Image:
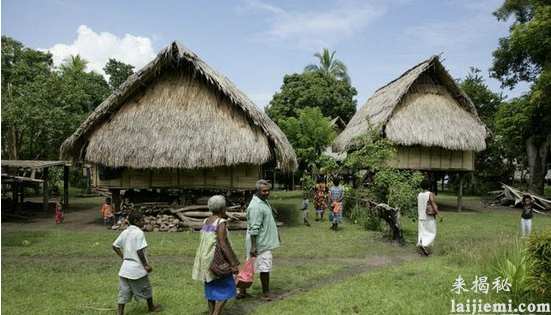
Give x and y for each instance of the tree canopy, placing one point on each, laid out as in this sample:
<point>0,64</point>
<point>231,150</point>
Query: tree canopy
<point>41,105</point>
<point>309,134</point>
<point>118,72</point>
<point>525,55</point>
<point>493,164</point>
<point>313,89</point>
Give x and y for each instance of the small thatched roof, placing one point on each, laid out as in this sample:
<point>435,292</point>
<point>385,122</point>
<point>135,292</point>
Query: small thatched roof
<point>177,112</point>
<point>424,106</point>
<point>339,122</point>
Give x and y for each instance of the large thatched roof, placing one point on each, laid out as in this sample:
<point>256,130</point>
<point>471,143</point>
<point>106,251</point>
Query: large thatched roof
<point>424,106</point>
<point>177,112</point>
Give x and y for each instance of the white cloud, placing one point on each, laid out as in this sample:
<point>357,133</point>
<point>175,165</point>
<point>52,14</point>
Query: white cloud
<point>98,48</point>
<point>316,28</point>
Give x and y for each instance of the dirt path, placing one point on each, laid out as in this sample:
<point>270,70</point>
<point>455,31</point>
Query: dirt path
<point>356,267</point>
<point>80,216</point>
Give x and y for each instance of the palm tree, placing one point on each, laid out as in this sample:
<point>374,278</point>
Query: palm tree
<point>74,63</point>
<point>328,65</point>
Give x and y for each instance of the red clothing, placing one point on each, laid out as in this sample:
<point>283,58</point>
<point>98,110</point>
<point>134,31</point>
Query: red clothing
<point>58,213</point>
<point>107,211</point>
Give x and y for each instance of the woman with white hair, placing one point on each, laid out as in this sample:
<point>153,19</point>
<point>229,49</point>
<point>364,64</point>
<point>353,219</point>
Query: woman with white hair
<point>214,233</point>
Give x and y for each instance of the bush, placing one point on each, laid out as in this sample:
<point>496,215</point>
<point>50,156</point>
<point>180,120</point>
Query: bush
<point>365,218</point>
<point>538,249</point>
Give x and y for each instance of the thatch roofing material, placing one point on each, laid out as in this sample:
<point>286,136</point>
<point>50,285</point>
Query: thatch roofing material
<point>177,112</point>
<point>424,106</point>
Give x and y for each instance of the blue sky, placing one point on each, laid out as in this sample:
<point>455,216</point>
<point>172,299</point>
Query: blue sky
<point>256,42</point>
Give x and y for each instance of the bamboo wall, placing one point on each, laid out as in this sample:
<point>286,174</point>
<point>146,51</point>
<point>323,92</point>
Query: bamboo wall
<point>235,177</point>
<point>434,158</point>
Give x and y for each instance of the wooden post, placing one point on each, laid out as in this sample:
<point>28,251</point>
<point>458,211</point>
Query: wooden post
<point>116,199</point>
<point>293,177</point>
<point>88,180</point>
<point>65,185</point>
<point>15,196</point>
<point>460,194</point>
<point>45,188</point>
<point>274,188</point>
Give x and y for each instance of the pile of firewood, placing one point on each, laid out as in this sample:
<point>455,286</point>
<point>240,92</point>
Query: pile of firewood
<point>163,217</point>
<point>511,196</point>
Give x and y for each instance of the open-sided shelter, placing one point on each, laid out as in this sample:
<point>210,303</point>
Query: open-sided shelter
<point>178,123</point>
<point>431,119</point>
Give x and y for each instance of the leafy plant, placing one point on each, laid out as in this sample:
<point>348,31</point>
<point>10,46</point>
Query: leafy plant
<point>514,266</point>
<point>365,218</point>
<point>390,185</point>
<point>538,249</point>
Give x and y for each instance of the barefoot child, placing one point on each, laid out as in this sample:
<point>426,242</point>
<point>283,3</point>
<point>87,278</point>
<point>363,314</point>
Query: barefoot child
<point>107,212</point>
<point>304,208</point>
<point>133,275</point>
<point>59,214</point>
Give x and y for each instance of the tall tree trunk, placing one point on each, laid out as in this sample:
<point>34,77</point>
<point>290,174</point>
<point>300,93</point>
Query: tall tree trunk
<point>13,140</point>
<point>537,152</point>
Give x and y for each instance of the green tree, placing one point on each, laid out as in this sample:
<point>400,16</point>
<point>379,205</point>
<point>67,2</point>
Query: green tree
<point>80,91</point>
<point>118,72</point>
<point>525,55</point>
<point>313,89</point>
<point>329,66</point>
<point>309,134</point>
<point>493,164</point>
<point>26,76</point>
<point>42,106</point>
<point>394,187</point>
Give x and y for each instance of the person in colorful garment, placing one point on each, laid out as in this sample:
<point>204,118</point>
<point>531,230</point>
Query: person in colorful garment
<point>134,273</point>
<point>107,213</point>
<point>218,290</point>
<point>336,195</point>
<point>320,198</point>
<point>59,213</point>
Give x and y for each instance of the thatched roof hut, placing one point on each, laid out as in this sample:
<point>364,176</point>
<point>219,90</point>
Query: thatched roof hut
<point>178,113</point>
<point>423,107</point>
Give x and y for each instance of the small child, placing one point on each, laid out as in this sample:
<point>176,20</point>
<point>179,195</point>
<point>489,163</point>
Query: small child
<point>133,275</point>
<point>59,213</point>
<point>107,212</point>
<point>527,214</point>
<point>304,208</point>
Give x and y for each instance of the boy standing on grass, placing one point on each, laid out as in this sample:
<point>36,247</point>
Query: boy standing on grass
<point>133,275</point>
<point>304,209</point>
<point>527,215</point>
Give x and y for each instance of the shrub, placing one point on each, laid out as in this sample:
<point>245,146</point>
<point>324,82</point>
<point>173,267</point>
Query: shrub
<point>514,266</point>
<point>538,250</point>
<point>365,218</point>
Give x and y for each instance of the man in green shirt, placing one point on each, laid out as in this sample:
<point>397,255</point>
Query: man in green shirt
<point>262,235</point>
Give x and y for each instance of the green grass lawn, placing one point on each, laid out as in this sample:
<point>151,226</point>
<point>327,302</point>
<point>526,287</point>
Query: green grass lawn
<point>317,270</point>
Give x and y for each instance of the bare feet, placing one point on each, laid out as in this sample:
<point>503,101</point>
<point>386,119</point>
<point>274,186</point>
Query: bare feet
<point>156,309</point>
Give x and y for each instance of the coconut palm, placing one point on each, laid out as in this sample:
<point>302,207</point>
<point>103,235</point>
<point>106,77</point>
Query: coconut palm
<point>328,65</point>
<point>74,63</point>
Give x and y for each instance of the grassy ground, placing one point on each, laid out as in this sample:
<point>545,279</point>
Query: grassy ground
<point>317,271</point>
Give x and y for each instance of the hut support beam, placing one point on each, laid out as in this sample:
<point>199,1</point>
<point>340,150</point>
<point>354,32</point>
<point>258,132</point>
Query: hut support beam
<point>66,185</point>
<point>460,194</point>
<point>116,199</point>
<point>45,190</point>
